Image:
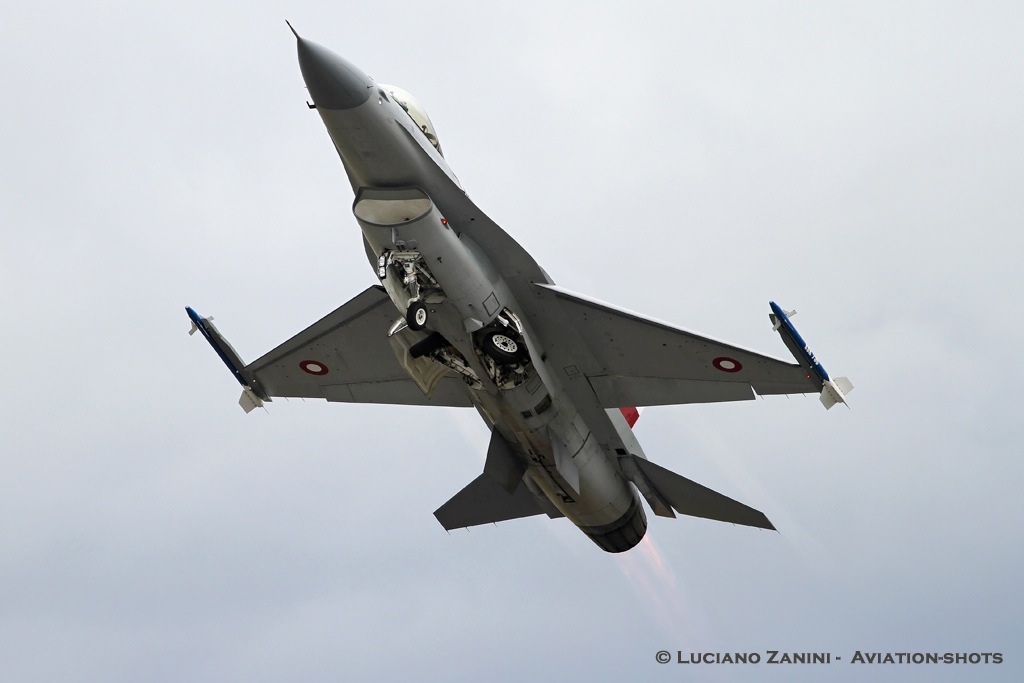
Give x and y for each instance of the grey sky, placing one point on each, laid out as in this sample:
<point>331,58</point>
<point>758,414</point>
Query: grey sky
<point>859,162</point>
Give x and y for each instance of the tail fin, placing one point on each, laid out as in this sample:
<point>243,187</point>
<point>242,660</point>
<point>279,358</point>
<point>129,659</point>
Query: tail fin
<point>631,415</point>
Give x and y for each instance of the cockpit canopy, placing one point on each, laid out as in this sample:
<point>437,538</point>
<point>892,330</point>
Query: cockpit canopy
<point>416,112</point>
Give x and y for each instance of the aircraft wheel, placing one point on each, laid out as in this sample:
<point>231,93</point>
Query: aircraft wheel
<point>503,347</point>
<point>417,315</point>
<point>428,345</point>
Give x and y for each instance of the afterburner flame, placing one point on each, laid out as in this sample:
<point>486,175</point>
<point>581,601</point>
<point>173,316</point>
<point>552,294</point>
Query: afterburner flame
<point>655,582</point>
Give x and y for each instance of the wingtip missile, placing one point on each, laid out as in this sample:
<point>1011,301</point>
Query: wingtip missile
<point>252,394</point>
<point>194,318</point>
<point>780,315</point>
<point>833,391</point>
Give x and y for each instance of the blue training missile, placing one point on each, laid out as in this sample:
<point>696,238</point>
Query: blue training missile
<point>832,390</point>
<point>252,394</point>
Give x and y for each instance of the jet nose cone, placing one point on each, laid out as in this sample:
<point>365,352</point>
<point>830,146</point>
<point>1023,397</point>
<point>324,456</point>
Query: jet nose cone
<point>332,81</point>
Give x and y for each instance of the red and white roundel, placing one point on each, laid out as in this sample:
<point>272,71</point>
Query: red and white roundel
<point>313,367</point>
<point>727,364</point>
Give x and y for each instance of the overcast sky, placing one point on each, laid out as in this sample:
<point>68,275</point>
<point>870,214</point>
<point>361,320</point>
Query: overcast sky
<point>860,162</point>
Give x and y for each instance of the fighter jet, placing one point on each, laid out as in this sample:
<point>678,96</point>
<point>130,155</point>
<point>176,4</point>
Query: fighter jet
<point>462,316</point>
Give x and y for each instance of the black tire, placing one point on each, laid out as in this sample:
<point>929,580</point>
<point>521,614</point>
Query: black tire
<point>417,315</point>
<point>503,347</point>
<point>428,345</point>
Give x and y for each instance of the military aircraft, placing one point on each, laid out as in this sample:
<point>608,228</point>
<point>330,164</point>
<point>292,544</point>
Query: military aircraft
<point>463,316</point>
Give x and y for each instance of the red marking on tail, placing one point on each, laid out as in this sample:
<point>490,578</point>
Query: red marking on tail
<point>631,415</point>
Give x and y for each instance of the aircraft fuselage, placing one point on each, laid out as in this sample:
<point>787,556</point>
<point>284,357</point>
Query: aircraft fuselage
<point>412,213</point>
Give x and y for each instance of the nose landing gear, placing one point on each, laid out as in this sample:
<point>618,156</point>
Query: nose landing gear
<point>416,315</point>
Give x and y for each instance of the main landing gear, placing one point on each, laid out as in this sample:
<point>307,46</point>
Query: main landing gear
<point>502,346</point>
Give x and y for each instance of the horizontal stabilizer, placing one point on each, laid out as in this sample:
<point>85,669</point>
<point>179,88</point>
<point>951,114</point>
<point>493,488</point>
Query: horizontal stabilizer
<point>690,498</point>
<point>485,501</point>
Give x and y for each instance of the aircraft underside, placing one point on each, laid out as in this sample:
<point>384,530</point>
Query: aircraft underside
<point>464,317</point>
